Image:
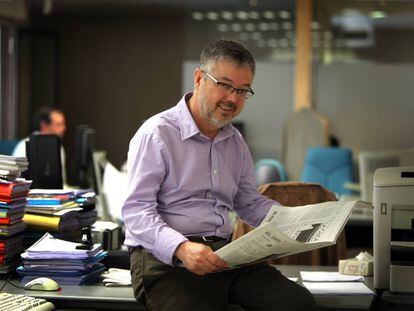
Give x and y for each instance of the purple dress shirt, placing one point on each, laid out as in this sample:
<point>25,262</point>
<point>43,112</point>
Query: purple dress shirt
<point>182,183</point>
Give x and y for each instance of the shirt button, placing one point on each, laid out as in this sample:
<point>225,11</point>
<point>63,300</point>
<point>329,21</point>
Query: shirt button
<point>215,172</point>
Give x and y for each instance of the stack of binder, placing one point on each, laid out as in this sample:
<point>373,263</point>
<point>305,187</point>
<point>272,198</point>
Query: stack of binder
<point>13,193</point>
<point>63,213</point>
<point>68,263</point>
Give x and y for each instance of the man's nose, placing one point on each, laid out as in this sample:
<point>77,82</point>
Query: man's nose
<point>233,97</point>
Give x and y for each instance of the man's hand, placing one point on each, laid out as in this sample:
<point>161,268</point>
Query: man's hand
<point>199,258</point>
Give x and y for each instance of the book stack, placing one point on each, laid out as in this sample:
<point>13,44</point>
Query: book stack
<point>68,263</point>
<point>13,193</point>
<point>63,213</point>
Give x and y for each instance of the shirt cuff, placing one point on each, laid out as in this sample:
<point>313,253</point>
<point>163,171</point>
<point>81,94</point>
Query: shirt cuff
<point>166,246</point>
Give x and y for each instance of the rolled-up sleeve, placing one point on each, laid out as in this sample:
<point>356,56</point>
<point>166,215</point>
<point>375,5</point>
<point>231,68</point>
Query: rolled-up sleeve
<point>146,173</point>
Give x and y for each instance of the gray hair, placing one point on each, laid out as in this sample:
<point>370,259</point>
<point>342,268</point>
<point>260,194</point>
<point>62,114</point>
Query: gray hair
<point>228,50</point>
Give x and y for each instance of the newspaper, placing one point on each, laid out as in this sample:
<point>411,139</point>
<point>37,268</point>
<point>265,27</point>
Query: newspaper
<point>290,230</point>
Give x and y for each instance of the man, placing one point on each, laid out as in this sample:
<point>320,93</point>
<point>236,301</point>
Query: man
<point>188,167</point>
<point>47,120</point>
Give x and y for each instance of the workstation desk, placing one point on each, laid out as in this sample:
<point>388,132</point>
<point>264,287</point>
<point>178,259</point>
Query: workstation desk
<point>99,297</point>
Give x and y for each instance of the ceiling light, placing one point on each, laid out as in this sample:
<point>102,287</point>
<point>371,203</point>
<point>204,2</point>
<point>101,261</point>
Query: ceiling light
<point>268,14</point>
<point>198,16</point>
<point>242,15</point>
<point>236,27</point>
<point>272,43</point>
<point>284,14</point>
<point>212,15</point>
<point>227,15</point>
<point>377,14</point>
<point>287,25</point>
<point>264,26</point>
<point>315,26</point>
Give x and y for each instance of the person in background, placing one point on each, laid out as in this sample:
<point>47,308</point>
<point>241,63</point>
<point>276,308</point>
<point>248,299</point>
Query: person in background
<point>47,120</point>
<point>187,168</point>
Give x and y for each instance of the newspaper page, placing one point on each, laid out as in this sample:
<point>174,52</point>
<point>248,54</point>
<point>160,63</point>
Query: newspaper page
<point>290,230</point>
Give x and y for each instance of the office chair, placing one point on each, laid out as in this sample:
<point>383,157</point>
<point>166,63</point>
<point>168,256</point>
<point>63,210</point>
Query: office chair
<point>7,146</point>
<point>268,170</point>
<point>297,194</point>
<point>329,166</point>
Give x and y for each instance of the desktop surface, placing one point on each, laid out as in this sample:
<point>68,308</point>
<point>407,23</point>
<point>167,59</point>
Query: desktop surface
<point>99,297</point>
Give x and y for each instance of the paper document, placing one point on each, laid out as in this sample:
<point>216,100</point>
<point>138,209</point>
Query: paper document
<point>338,288</point>
<point>50,247</point>
<point>290,230</point>
<point>115,186</point>
<point>323,276</point>
<point>116,277</point>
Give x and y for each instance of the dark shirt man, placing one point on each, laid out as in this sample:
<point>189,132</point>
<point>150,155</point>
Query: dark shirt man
<point>188,167</point>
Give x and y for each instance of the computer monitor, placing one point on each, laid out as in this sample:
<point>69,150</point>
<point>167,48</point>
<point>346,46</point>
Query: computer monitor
<point>45,166</point>
<point>82,168</point>
<point>369,161</point>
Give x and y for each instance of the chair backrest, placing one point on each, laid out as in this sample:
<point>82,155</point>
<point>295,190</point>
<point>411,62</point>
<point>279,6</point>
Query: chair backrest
<point>303,129</point>
<point>329,166</point>
<point>269,170</point>
<point>7,146</point>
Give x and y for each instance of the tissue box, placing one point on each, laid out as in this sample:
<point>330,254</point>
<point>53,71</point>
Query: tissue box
<point>354,266</point>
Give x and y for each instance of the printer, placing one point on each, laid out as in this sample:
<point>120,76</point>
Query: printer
<point>394,231</point>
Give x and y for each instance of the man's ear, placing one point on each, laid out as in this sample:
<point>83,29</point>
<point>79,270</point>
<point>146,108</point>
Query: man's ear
<point>198,74</point>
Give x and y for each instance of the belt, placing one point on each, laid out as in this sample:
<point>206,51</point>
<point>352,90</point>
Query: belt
<point>206,239</point>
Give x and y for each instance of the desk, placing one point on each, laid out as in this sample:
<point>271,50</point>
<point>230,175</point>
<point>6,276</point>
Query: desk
<point>121,298</point>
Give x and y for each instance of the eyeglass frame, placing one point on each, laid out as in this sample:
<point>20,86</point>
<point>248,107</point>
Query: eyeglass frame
<point>228,87</point>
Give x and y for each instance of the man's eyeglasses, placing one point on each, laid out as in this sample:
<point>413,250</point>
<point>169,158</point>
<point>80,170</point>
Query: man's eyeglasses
<point>224,87</point>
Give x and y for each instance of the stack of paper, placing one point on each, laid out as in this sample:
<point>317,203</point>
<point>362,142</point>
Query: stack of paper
<point>66,262</point>
<point>116,277</point>
<point>11,167</point>
<point>333,283</point>
<point>63,213</point>
<point>13,193</point>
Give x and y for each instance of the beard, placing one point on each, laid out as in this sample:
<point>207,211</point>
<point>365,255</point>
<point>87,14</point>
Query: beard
<point>207,112</point>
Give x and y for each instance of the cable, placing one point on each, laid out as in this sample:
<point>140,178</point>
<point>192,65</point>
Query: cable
<point>5,282</point>
<point>8,281</point>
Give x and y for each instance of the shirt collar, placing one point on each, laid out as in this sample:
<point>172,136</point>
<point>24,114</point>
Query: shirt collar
<point>189,128</point>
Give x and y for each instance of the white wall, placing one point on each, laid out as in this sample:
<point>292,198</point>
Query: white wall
<point>265,113</point>
<point>369,105</point>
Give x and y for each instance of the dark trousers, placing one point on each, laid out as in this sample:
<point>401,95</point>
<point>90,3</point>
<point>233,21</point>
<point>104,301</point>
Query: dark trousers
<point>256,287</point>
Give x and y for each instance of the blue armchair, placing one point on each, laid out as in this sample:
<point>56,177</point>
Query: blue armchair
<point>329,166</point>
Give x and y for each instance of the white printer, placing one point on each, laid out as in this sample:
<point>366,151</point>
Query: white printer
<point>394,230</point>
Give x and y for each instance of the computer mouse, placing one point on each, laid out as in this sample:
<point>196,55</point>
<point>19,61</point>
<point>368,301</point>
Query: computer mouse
<point>42,284</point>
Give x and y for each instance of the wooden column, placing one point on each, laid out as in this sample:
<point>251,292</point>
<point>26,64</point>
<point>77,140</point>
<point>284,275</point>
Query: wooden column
<point>302,95</point>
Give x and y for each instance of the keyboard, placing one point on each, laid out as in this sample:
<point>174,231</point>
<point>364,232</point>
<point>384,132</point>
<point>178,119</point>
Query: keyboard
<point>14,302</point>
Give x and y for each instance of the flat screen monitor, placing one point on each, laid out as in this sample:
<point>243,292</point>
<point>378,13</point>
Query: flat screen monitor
<point>369,161</point>
<point>45,166</point>
<point>82,172</point>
